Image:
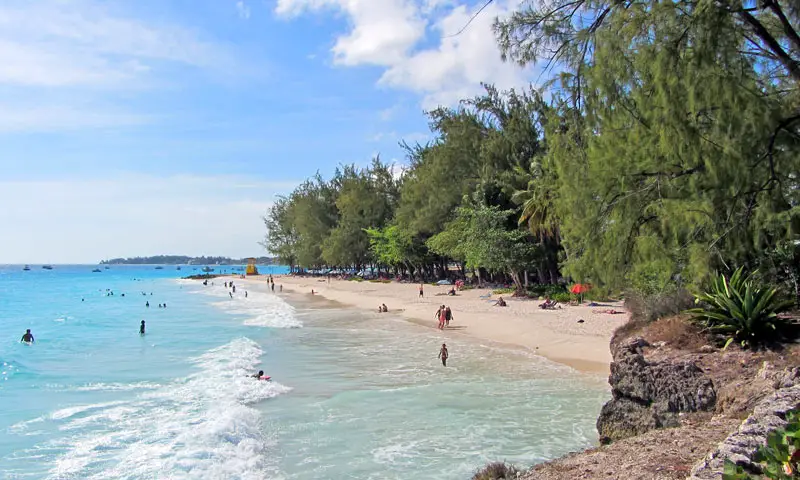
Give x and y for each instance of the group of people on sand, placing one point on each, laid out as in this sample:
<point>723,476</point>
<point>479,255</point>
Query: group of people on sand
<point>549,304</point>
<point>382,308</point>
<point>444,315</point>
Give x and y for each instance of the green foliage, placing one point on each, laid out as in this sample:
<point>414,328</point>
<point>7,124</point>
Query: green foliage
<point>742,310</point>
<point>674,137</point>
<point>779,458</point>
<point>504,291</point>
<point>562,297</point>
<point>479,236</point>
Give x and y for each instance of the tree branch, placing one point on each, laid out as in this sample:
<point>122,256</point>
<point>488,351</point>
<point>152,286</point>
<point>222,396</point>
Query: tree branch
<point>758,28</point>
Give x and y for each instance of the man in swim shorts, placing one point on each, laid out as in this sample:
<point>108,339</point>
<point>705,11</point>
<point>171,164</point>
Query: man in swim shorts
<point>27,337</point>
<point>443,354</point>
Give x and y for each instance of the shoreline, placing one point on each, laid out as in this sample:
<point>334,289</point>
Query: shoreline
<point>553,334</point>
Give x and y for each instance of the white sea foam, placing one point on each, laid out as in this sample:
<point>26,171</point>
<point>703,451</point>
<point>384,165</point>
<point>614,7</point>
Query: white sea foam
<point>260,309</point>
<point>116,387</point>
<point>202,426</point>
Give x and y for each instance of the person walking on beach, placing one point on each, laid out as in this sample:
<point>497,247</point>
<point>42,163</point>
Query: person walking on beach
<point>141,328</point>
<point>273,287</point>
<point>448,315</point>
<point>443,354</point>
<point>27,337</point>
<point>421,295</point>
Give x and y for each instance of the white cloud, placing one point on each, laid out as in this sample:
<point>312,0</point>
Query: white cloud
<point>388,113</point>
<point>81,43</point>
<point>243,10</point>
<point>383,135</point>
<point>49,118</point>
<point>390,33</point>
<point>382,31</point>
<point>87,220</point>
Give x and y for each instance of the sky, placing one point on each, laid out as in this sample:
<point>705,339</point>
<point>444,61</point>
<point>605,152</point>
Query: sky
<point>170,126</point>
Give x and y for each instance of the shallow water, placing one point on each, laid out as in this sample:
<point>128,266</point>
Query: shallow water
<point>92,399</point>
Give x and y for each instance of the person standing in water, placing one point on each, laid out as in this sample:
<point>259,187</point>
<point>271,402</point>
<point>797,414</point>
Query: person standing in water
<point>443,354</point>
<point>147,304</point>
<point>27,337</point>
<point>141,328</point>
<point>245,294</point>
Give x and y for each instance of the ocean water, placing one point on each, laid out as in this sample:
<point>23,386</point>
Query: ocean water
<point>353,394</point>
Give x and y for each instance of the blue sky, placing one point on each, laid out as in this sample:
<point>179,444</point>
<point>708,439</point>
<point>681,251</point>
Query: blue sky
<point>168,126</point>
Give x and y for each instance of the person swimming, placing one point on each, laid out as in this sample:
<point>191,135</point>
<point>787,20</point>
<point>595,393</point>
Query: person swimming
<point>147,304</point>
<point>27,337</point>
<point>141,328</point>
<point>259,374</point>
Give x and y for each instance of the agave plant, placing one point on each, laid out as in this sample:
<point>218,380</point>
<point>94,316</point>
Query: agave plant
<point>742,310</point>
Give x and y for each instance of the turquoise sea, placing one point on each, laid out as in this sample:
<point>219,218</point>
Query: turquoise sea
<point>92,399</point>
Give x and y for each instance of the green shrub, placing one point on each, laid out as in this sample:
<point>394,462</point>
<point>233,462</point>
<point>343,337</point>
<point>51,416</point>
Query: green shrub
<point>504,291</point>
<point>356,279</point>
<point>741,310</point>
<point>562,297</point>
<point>779,459</point>
<point>496,471</point>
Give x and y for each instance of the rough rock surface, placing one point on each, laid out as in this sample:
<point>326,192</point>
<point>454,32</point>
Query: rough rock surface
<point>649,395</point>
<point>741,445</point>
<point>664,454</point>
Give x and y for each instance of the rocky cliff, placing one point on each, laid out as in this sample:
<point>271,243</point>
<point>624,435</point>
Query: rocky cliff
<point>649,395</point>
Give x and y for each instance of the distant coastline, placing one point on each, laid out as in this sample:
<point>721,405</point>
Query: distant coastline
<point>186,260</point>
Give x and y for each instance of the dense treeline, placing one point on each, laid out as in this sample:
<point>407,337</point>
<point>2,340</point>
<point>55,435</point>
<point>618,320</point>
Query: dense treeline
<point>182,260</point>
<point>665,147</point>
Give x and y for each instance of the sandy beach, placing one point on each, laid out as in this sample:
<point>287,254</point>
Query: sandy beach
<point>554,334</point>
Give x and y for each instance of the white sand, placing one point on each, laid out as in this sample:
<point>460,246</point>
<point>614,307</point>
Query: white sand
<point>554,334</point>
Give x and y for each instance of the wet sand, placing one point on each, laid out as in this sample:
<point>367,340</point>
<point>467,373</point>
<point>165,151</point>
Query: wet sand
<point>555,334</point>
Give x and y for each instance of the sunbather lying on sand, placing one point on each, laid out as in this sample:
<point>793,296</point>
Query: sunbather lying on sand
<point>610,311</point>
<point>549,304</point>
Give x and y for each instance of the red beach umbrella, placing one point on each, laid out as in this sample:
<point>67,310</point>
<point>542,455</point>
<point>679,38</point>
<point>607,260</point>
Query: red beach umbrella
<point>580,289</point>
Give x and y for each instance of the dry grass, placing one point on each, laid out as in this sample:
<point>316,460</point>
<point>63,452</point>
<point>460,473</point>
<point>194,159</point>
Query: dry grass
<point>646,308</point>
<point>496,471</point>
<point>677,332</point>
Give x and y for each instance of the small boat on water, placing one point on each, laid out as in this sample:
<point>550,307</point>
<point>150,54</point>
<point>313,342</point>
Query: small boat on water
<point>97,270</point>
<point>47,267</point>
<point>108,268</point>
<point>27,268</point>
<point>178,268</point>
<point>208,269</point>
<point>159,267</point>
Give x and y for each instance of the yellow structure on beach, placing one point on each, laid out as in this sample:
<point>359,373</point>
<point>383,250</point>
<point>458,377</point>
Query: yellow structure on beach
<point>251,267</point>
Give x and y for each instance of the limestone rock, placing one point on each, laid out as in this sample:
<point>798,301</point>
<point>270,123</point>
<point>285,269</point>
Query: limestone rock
<point>741,446</point>
<point>648,395</point>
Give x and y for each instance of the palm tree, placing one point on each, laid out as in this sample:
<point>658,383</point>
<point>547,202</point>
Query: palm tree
<point>536,199</point>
